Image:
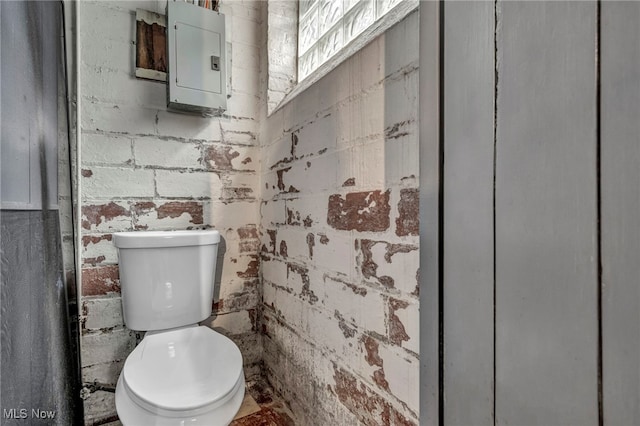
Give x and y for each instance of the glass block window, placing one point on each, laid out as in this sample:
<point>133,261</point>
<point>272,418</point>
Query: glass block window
<point>326,26</point>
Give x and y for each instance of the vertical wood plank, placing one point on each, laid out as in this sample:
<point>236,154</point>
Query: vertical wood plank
<point>468,212</point>
<point>546,215</point>
<point>620,180</point>
<point>429,211</point>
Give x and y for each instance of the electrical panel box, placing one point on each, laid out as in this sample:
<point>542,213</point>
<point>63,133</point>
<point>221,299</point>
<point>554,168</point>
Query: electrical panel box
<point>196,50</point>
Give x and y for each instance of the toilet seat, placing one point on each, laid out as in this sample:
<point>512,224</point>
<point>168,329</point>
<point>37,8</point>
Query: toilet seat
<point>190,375</point>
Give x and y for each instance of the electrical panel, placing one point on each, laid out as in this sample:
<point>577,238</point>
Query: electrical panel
<point>196,48</point>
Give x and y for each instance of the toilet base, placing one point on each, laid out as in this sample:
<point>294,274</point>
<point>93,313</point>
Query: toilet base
<point>132,414</point>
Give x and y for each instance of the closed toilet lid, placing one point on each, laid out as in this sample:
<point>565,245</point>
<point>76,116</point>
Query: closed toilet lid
<point>183,369</point>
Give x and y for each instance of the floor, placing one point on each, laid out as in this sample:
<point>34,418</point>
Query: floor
<point>272,409</point>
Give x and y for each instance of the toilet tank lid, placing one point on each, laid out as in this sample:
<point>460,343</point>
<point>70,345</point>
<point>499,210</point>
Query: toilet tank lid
<point>153,239</point>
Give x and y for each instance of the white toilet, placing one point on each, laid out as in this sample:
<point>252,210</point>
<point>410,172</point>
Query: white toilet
<point>180,373</point>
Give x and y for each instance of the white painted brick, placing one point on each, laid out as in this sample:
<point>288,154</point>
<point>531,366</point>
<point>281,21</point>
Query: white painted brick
<point>317,136</point>
<point>361,306</point>
<point>98,247</point>
<point>231,215</point>
<point>273,212</point>
<point>171,215</point>
<point>106,149</point>
<point>245,56</point>
<point>132,119</point>
<point>116,55</point>
<point>410,319</point>
<point>233,322</point>
<point>358,160</point>
<point>403,267</point>
<point>275,271</point>
<point>103,313</point>
<point>402,372</point>
<point>286,305</point>
<point>296,240</point>
<point>337,254</point>
<point>105,347</point>
<point>278,154</point>
<point>186,126</point>
<point>166,153</point>
<point>312,208</point>
<point>243,105</point>
<point>110,182</point>
<point>172,183</point>
<point>99,405</point>
<point>245,81</point>
<point>107,373</point>
<point>245,31</point>
<point>99,22</point>
<point>121,87</point>
<point>404,34</point>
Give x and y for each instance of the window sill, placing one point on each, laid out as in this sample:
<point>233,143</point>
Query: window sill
<point>395,15</point>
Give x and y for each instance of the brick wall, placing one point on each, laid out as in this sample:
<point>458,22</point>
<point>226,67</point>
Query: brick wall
<point>339,247</point>
<point>144,168</point>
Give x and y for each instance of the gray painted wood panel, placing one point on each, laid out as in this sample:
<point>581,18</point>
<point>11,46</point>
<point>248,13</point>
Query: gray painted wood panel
<point>468,212</point>
<point>620,179</point>
<point>429,193</point>
<point>546,215</point>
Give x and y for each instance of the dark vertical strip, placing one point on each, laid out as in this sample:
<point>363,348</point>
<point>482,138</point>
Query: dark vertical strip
<point>495,154</point>
<point>441,219</point>
<point>599,209</point>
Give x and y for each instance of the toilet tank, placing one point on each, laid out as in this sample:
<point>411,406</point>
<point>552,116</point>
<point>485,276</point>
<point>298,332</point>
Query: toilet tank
<point>166,277</point>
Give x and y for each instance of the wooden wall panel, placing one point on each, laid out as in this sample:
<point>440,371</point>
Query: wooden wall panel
<point>546,215</point>
<point>620,179</point>
<point>468,213</point>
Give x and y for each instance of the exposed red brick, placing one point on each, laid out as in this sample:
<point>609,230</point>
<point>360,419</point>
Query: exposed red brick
<point>272,241</point>
<point>323,239</point>
<point>267,416</point>
<point>246,160</point>
<point>359,211</point>
<point>380,379</point>
<point>249,239</point>
<point>93,260</point>
<point>370,408</point>
<point>408,221</point>
<point>294,143</point>
<point>94,214</point>
<point>95,239</point>
<point>369,267</point>
<point>311,242</point>
<point>143,207</point>
<point>293,218</point>
<point>397,332</point>
<point>175,209</point>
<point>100,280</point>
<point>252,268</point>
<point>371,346</point>
<point>306,293</point>
<point>237,193</point>
<point>347,331</point>
<point>283,248</point>
<point>349,182</point>
<point>308,222</point>
<point>280,174</point>
<point>86,173</point>
<point>219,157</point>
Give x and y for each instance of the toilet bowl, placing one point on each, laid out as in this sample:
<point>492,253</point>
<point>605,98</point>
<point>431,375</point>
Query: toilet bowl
<point>180,373</point>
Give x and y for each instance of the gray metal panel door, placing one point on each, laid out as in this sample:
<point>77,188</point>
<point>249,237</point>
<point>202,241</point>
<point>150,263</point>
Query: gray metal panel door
<point>620,178</point>
<point>468,213</point>
<point>546,215</point>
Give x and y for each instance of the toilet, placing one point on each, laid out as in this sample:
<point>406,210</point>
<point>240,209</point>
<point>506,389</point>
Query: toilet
<point>181,373</point>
